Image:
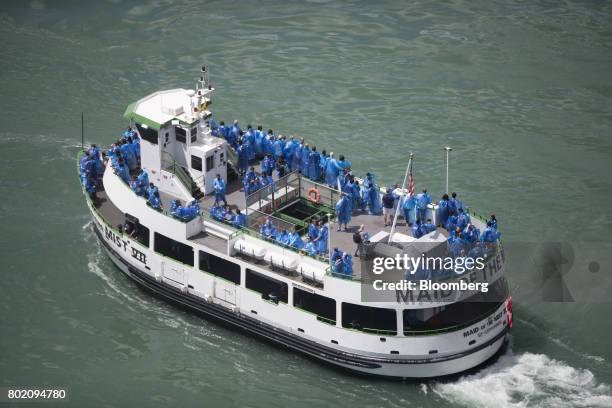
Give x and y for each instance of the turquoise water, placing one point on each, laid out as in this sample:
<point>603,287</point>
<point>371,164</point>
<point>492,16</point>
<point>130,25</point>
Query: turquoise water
<point>521,91</point>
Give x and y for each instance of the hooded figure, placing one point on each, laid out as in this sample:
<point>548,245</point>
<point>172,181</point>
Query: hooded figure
<point>423,200</point>
<point>332,171</point>
<point>314,163</point>
<point>343,211</point>
<point>371,195</point>
<point>322,238</point>
<point>259,141</point>
<point>304,164</point>
<point>443,210</point>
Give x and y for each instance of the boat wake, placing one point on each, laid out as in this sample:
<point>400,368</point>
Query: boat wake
<point>526,379</point>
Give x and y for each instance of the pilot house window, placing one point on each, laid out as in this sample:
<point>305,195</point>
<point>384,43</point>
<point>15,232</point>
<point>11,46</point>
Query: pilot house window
<point>196,163</point>
<point>146,133</point>
<point>181,135</point>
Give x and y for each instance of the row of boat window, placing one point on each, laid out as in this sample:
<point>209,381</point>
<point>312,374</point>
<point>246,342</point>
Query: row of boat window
<point>151,135</point>
<point>365,318</point>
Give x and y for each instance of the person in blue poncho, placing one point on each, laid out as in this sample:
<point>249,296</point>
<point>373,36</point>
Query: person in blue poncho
<point>234,133</point>
<point>343,211</point>
<point>268,230</point>
<point>332,171</point>
<point>240,219</point>
<point>129,132</point>
<point>288,150</point>
<point>451,221</point>
<point>283,237</point>
<point>268,165</point>
<point>338,265</point>
<point>335,255</point>
<point>417,230</point>
<point>278,146</point>
<point>137,186</point>
<point>143,177</point>
<point>217,212</point>
<point>296,159</point>
<point>478,251</point>
<point>490,234</point>
<point>323,164</point>
<point>223,131</point>
<point>347,264</point>
<point>463,219</point>
<point>442,212</point>
<point>219,187</point>
<point>249,140</point>
<point>128,154</point>
<point>314,163</point>
<point>454,203</point>
<point>268,143</point>
<point>355,193</point>
<point>123,171</point>
<point>423,200</point>
<point>155,201</point>
<point>259,142</point>
<point>295,240</point>
<point>152,190</point>
<point>409,209</point>
<point>322,238</point>
<point>471,233</point>
<point>428,227</point>
<point>310,247</point>
<point>305,160</point>
<point>313,230</point>
<point>136,147</point>
<point>493,222</point>
<point>243,157</point>
<point>371,195</point>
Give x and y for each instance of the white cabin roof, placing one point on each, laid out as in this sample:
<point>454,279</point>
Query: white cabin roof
<point>160,108</point>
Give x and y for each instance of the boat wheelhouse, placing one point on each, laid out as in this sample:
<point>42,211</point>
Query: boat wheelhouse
<point>233,274</point>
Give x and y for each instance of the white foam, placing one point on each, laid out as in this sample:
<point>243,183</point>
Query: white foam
<point>527,379</point>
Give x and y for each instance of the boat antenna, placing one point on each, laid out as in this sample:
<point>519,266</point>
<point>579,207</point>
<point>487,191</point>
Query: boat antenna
<point>448,150</point>
<point>400,199</point>
<point>82,130</point>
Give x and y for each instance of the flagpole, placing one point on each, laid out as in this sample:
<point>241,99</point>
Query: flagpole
<point>400,200</point>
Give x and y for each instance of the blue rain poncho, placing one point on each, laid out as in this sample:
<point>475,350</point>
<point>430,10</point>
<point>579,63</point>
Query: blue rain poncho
<point>128,155</point>
<point>234,134</point>
<point>442,212</point>
<point>331,172</point>
<point>305,160</point>
<point>243,157</point>
<point>268,143</point>
<point>490,235</point>
<point>343,210</point>
<point>310,248</point>
<point>277,148</point>
<point>240,220</point>
<point>219,189</point>
<point>455,205</point>
<point>143,177</point>
<point>295,240</point>
<point>323,165</point>
<point>356,194</point>
<point>322,239</point>
<point>123,172</point>
<point>249,140</point>
<point>268,165</point>
<point>409,209</point>
<point>451,222</point>
<point>217,213</point>
<point>313,231</point>
<point>338,265</point>
<point>268,230</point>
<point>152,191</point>
<point>463,219</point>
<point>296,158</point>
<point>259,143</point>
<point>314,163</point>
<point>347,264</point>
<point>155,202</point>
<point>472,234</point>
<point>423,200</point>
<point>427,227</point>
<point>283,237</point>
<point>90,185</point>
<point>371,195</point>
<point>417,231</point>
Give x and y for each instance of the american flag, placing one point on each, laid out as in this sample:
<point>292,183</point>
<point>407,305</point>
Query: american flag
<point>410,182</point>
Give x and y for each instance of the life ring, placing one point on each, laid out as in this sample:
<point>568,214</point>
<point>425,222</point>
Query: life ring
<point>317,195</point>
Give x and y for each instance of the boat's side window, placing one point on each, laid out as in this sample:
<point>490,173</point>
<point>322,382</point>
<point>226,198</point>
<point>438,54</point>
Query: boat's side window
<point>322,306</point>
<point>220,267</point>
<point>369,319</point>
<point>456,315</point>
<point>210,163</point>
<point>181,135</point>
<point>173,249</point>
<point>148,134</point>
<point>135,230</point>
<point>194,134</point>
<point>270,289</point>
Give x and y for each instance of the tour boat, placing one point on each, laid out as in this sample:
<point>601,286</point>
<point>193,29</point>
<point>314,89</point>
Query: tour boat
<point>233,274</point>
